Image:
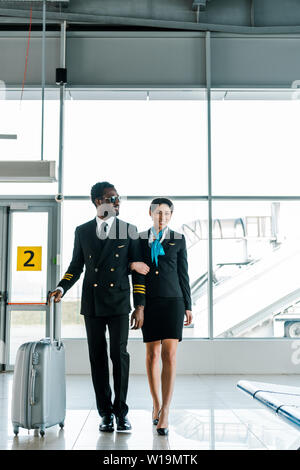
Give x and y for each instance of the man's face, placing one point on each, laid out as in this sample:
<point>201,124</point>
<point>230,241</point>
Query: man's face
<point>106,208</point>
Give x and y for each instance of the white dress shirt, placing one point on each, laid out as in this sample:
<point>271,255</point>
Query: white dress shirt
<point>99,221</point>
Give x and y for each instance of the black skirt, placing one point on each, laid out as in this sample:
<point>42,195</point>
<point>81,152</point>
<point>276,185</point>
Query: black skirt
<point>163,318</point>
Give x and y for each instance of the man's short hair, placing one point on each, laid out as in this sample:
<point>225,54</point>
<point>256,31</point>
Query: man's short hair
<point>161,200</point>
<point>97,190</point>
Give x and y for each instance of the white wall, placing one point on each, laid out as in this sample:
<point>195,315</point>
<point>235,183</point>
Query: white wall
<point>145,59</point>
<point>255,356</point>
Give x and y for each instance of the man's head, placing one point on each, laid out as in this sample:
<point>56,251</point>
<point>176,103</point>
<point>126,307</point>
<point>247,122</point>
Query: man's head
<point>106,199</point>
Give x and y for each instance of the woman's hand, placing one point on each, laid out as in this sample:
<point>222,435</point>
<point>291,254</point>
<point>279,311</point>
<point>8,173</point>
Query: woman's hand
<point>139,267</point>
<point>189,317</point>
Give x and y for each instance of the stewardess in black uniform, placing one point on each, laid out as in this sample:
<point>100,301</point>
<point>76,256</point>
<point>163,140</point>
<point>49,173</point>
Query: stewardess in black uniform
<point>168,301</point>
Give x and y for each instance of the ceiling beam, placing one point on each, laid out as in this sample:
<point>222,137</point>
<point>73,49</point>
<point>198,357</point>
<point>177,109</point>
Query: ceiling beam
<point>149,23</point>
<point>14,20</point>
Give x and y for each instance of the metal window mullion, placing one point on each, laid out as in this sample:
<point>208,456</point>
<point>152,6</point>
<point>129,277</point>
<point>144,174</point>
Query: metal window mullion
<point>51,214</point>
<point>3,286</point>
<point>9,222</point>
<point>140,198</point>
<point>186,198</point>
<point>62,91</point>
<point>209,186</point>
<point>58,242</point>
<point>43,77</point>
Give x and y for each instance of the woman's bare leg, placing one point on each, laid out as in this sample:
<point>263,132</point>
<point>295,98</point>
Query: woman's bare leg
<point>168,374</point>
<point>153,373</point>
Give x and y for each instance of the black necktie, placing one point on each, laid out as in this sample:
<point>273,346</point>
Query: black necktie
<point>103,231</point>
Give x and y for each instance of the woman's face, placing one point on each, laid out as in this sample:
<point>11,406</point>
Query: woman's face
<point>161,216</point>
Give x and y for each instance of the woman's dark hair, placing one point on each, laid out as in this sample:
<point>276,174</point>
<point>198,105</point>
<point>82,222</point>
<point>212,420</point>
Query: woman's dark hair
<point>161,200</point>
<point>97,190</point>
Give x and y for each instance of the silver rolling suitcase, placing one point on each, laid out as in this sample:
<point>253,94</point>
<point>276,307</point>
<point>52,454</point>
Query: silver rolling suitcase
<point>39,386</point>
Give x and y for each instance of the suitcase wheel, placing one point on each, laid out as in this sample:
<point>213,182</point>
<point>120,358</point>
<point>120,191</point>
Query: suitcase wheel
<point>62,424</point>
<point>16,430</point>
<point>42,432</point>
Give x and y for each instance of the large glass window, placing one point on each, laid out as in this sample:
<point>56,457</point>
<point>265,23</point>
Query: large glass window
<point>255,146</point>
<point>255,153</point>
<point>256,256</point>
<point>144,146</point>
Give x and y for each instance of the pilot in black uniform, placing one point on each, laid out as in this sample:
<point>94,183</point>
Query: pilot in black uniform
<point>106,246</point>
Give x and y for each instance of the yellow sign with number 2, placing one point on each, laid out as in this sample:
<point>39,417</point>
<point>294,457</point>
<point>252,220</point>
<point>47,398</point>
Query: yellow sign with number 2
<point>29,258</point>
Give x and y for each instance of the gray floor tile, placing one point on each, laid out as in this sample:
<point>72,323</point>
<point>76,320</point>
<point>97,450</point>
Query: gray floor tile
<point>207,412</point>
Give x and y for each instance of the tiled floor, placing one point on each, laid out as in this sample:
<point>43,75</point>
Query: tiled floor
<point>208,412</point>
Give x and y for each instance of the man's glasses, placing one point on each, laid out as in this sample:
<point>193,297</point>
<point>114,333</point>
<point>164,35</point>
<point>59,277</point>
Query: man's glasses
<point>112,199</point>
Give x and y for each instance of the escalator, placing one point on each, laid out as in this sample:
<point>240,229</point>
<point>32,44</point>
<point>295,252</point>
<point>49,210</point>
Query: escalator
<point>255,276</point>
<point>257,292</point>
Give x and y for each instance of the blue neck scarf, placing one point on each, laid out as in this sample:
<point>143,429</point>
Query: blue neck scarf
<point>156,247</point>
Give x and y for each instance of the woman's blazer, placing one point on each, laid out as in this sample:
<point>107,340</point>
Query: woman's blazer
<point>170,278</point>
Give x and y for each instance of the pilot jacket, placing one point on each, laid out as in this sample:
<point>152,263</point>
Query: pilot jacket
<point>170,278</point>
<point>106,288</point>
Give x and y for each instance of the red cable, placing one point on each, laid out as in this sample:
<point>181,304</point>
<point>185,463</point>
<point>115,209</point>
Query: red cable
<point>27,52</point>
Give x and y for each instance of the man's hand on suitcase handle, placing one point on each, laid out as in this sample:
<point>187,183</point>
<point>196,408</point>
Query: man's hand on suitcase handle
<point>57,296</point>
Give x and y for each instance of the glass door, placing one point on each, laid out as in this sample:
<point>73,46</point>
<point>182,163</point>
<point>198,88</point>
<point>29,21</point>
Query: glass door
<point>30,264</point>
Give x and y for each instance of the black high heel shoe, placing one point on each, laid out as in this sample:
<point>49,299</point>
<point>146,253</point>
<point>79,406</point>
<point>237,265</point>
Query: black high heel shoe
<point>162,431</point>
<point>155,421</point>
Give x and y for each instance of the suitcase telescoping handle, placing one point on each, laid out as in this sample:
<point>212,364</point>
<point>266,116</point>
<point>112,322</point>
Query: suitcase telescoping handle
<point>55,321</point>
<point>32,386</point>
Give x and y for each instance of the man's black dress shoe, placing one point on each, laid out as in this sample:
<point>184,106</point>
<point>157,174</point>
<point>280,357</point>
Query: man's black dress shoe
<point>123,423</point>
<point>107,423</point>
